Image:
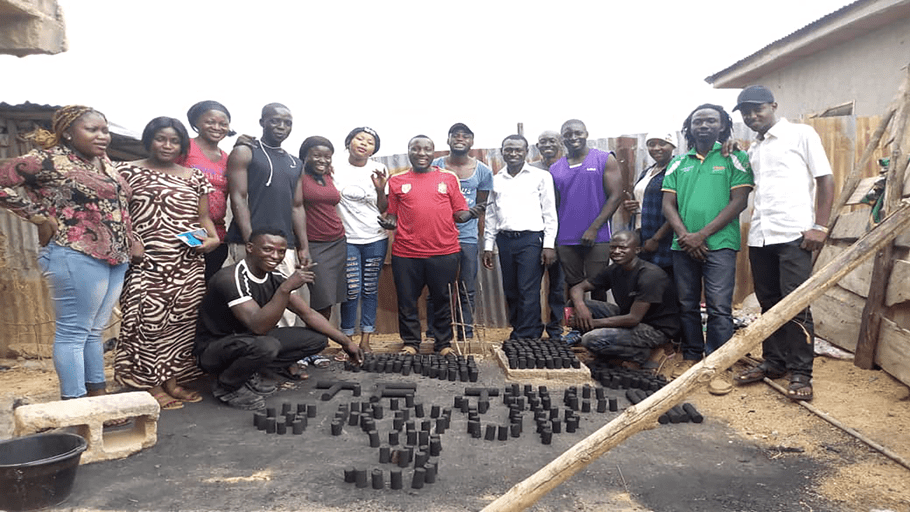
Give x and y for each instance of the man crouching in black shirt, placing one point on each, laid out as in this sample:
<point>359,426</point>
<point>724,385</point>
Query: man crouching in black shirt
<point>236,335</point>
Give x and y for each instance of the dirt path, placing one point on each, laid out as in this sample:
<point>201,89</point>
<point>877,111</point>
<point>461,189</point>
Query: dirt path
<point>852,475</point>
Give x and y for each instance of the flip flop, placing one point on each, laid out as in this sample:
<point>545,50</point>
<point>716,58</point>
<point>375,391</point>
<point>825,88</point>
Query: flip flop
<point>318,361</point>
<point>341,356</point>
<point>798,386</point>
<point>116,423</point>
<point>184,395</point>
<point>167,402</point>
<point>757,373</point>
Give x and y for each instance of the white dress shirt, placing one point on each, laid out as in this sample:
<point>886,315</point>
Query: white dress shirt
<point>785,163</point>
<point>524,202</point>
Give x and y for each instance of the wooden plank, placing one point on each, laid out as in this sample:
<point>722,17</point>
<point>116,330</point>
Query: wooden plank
<point>851,225</point>
<point>837,317</point>
<point>866,344</point>
<point>903,240</point>
<point>865,185</point>
<point>645,413</point>
<point>893,353</point>
<point>856,281</point>
<point>899,285</point>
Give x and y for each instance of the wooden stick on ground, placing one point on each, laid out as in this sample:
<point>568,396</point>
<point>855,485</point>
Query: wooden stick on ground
<point>454,298</point>
<point>645,413</point>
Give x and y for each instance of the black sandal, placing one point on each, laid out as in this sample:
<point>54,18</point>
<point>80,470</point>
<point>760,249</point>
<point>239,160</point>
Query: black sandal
<point>757,373</point>
<point>798,386</point>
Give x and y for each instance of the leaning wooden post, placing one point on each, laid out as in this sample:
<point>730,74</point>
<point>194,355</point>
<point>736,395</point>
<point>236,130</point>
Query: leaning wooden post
<point>645,413</point>
<point>871,319</point>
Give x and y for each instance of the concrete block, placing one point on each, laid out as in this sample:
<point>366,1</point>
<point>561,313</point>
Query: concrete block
<point>88,415</point>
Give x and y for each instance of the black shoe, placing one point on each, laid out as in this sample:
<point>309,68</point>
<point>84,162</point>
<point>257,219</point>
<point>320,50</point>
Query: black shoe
<point>241,398</point>
<point>261,385</point>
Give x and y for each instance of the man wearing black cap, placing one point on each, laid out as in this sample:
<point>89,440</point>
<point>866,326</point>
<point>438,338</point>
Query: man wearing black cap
<point>476,180</point>
<point>794,190</point>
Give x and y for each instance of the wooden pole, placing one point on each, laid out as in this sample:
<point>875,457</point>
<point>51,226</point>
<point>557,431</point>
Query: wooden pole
<point>871,320</point>
<point>852,180</point>
<point>645,413</point>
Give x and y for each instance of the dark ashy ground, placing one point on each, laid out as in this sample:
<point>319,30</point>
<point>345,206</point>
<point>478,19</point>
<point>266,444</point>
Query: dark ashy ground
<point>210,457</point>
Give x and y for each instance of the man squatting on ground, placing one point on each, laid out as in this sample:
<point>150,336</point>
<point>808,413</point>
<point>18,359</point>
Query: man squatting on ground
<point>265,190</point>
<point>549,144</point>
<point>237,337</point>
<point>588,185</point>
<point>424,204</point>
<point>645,315</point>
<point>521,221</point>
<point>476,180</point>
<point>704,193</point>
<point>790,169</point>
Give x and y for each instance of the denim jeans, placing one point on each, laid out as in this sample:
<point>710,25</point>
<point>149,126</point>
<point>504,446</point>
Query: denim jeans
<point>719,274</point>
<point>84,290</point>
<point>467,284</point>
<point>626,343</point>
<point>362,273</point>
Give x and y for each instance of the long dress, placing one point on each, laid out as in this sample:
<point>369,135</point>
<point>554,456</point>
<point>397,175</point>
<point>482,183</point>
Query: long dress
<point>161,295</point>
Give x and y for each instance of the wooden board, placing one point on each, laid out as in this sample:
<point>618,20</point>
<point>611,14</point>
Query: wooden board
<point>865,185</point>
<point>899,286</point>
<point>856,281</point>
<point>837,316</point>
<point>903,240</point>
<point>563,376</point>
<point>851,225</point>
<point>893,353</point>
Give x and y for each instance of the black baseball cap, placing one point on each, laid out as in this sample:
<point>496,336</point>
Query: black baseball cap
<point>755,94</point>
<point>460,127</point>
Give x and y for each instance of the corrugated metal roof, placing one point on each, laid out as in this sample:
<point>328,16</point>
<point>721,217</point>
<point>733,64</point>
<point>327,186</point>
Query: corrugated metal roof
<point>869,15</point>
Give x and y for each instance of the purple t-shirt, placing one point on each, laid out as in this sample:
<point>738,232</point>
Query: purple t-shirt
<point>581,197</point>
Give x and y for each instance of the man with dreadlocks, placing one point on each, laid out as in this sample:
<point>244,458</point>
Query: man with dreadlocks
<point>704,193</point>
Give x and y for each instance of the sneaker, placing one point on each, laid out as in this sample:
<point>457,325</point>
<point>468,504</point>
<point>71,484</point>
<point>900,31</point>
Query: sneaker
<point>572,337</point>
<point>721,384</point>
<point>241,398</point>
<point>260,385</point>
<point>682,367</point>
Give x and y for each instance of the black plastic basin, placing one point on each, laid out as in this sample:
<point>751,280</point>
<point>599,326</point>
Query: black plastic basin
<point>38,471</point>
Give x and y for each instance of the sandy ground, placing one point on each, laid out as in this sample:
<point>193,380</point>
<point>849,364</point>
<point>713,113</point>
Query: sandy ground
<point>856,476</point>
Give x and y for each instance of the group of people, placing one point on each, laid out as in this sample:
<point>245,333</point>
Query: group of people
<point>686,212</point>
<point>201,295</point>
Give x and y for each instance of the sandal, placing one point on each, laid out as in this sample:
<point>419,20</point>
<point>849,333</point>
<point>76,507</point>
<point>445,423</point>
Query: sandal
<point>185,395</point>
<point>293,372</point>
<point>800,387</point>
<point>317,361</point>
<point>757,373</point>
<point>122,422</point>
<point>341,356</point>
<point>408,351</point>
<point>167,402</point>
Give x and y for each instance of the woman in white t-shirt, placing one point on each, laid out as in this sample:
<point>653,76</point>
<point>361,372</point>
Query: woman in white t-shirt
<point>361,182</point>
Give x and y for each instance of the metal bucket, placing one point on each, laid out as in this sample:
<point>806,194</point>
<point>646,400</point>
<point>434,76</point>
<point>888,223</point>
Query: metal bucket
<point>38,471</point>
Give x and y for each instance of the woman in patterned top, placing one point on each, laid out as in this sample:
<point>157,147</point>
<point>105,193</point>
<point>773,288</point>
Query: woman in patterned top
<point>212,121</point>
<point>70,190</point>
<point>162,292</point>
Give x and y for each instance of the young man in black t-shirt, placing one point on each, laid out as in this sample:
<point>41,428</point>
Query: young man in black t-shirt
<point>236,334</point>
<point>645,315</point>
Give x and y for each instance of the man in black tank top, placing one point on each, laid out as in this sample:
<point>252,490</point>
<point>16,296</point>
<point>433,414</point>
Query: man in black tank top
<point>264,186</point>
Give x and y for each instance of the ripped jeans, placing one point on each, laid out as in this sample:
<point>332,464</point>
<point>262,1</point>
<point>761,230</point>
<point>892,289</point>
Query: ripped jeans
<point>364,263</point>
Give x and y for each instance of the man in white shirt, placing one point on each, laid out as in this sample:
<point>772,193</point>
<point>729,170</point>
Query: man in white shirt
<point>794,190</point>
<point>521,221</point>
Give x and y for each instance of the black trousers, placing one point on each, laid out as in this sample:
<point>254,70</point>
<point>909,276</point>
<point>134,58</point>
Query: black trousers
<point>777,270</point>
<point>237,357</point>
<point>437,273</point>
<point>519,258</point>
